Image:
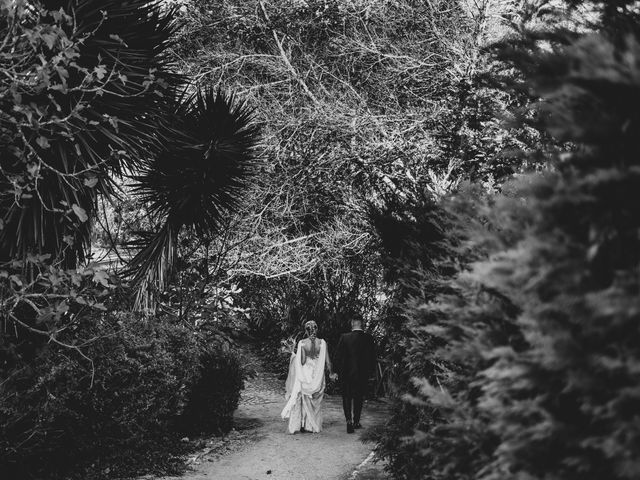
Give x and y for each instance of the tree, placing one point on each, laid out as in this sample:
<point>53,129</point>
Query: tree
<point>89,95</point>
<point>353,101</point>
<point>90,99</point>
<point>538,337</point>
<point>560,404</point>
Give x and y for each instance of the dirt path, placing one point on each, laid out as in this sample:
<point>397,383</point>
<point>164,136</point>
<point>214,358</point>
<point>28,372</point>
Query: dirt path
<point>260,447</point>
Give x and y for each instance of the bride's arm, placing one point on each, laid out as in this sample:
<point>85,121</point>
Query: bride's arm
<point>327,360</point>
<point>303,353</point>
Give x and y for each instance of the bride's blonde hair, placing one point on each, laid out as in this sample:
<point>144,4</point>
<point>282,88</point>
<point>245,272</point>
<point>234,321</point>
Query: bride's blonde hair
<point>310,327</point>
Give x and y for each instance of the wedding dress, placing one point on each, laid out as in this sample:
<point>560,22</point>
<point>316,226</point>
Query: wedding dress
<point>305,390</point>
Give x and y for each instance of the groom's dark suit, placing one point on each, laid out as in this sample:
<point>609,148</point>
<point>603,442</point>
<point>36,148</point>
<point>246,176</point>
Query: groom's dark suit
<point>355,363</point>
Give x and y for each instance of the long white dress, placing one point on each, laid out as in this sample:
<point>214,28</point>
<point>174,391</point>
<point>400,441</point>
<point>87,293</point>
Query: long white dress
<point>305,390</point>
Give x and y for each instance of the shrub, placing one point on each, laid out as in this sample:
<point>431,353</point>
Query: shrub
<point>213,396</point>
<point>537,343</point>
<point>60,410</point>
<point>565,407</point>
<point>424,249</point>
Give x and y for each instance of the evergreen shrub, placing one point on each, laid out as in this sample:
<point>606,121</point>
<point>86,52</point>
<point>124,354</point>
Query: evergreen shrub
<point>213,396</point>
<point>58,409</point>
<point>529,355</point>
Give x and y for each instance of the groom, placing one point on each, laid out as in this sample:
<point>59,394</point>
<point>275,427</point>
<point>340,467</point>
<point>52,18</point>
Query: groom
<point>355,362</point>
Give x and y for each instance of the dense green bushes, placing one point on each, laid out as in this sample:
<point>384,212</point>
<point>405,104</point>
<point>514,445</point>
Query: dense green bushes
<point>60,407</point>
<point>520,328</point>
<point>149,383</point>
<point>90,99</point>
<point>213,396</point>
<point>85,388</point>
<point>424,245</point>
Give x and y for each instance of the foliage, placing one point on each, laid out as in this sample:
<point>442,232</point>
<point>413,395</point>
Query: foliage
<point>355,99</point>
<point>90,95</point>
<point>82,96</point>
<point>90,100</point>
<point>59,409</point>
<point>426,246</point>
<point>193,183</point>
<point>214,396</point>
<point>523,362</point>
<point>40,302</point>
<point>562,402</point>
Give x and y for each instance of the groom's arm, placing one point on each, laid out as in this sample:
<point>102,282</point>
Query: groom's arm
<point>339,356</point>
<point>373,362</point>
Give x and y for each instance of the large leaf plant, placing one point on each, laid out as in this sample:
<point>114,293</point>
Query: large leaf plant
<point>89,95</point>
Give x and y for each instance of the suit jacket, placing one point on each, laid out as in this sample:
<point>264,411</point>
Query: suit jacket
<point>355,359</point>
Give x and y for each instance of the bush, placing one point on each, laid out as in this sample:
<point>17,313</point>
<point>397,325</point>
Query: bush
<point>423,243</point>
<point>565,407</point>
<point>524,364</point>
<point>59,409</point>
<point>213,396</point>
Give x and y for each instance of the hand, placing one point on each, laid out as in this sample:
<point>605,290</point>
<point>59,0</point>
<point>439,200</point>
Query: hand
<point>333,376</point>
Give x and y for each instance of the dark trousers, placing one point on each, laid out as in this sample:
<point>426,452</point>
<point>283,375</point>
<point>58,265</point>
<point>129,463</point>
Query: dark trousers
<point>352,397</point>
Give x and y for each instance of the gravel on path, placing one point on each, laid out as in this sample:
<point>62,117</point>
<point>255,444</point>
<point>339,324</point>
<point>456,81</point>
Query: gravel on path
<point>260,447</point>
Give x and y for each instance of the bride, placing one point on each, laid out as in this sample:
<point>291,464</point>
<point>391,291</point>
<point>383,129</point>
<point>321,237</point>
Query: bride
<point>305,382</point>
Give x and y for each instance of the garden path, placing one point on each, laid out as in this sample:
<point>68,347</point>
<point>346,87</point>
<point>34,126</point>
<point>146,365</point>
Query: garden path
<point>259,447</point>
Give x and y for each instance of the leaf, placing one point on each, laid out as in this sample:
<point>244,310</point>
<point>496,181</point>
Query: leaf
<point>91,182</point>
<point>43,142</point>
<point>76,279</point>
<point>44,317</point>
<point>63,73</point>
<point>80,212</point>
<point>100,276</point>
<point>63,306</point>
<point>117,38</point>
<point>100,71</point>
<point>49,39</point>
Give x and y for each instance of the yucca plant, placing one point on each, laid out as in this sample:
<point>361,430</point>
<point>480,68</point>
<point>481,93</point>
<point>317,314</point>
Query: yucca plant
<point>86,88</point>
<point>193,183</point>
<point>88,95</point>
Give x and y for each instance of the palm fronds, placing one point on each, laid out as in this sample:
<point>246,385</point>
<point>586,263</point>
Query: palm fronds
<point>195,182</point>
<point>88,85</point>
<point>89,93</point>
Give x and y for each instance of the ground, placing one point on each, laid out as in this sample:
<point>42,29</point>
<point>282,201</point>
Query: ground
<point>259,447</point>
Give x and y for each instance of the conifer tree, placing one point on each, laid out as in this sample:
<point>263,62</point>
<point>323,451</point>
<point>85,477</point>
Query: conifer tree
<point>539,340</point>
<point>563,407</point>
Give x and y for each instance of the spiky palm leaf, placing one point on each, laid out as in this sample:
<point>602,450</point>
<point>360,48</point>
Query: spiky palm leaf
<point>127,41</point>
<point>195,182</point>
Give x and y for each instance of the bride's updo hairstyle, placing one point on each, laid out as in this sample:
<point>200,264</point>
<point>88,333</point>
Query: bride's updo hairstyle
<point>311,328</point>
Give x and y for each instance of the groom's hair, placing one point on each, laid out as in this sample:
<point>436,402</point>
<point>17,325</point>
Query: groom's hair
<point>356,322</point>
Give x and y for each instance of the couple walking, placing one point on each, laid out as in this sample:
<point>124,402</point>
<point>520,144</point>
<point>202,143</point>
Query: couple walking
<point>354,362</point>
